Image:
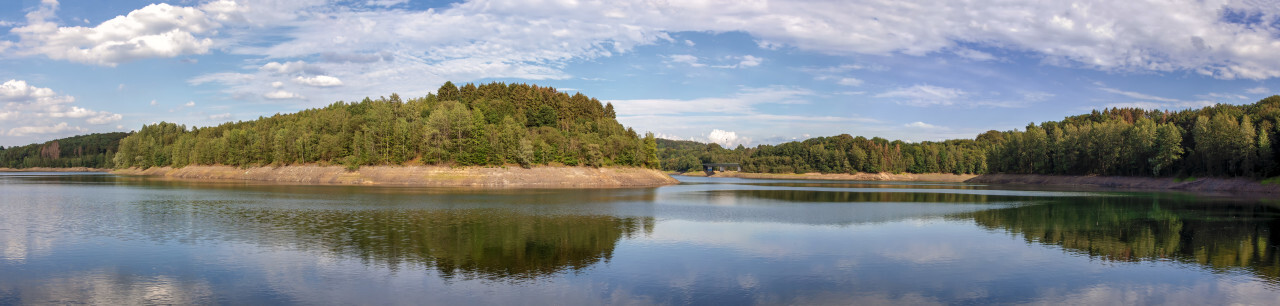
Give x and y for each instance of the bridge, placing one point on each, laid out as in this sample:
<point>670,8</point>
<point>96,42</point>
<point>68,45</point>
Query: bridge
<point>711,168</point>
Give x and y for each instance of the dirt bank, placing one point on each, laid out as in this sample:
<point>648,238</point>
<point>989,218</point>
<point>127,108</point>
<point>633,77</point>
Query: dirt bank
<point>905,177</point>
<point>1202,184</point>
<point>432,176</point>
<point>42,169</point>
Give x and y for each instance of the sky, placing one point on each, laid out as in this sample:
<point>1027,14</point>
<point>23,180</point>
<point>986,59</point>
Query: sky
<point>733,72</point>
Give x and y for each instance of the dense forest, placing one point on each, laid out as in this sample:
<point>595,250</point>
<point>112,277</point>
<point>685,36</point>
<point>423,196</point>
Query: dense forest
<point>1220,140</point>
<point>500,124</point>
<point>488,125</point>
<point>92,151</point>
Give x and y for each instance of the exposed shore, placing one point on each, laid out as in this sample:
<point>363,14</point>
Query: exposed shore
<point>44,169</point>
<point>1124,182</point>
<point>860,176</point>
<point>429,176</point>
<point>1200,184</point>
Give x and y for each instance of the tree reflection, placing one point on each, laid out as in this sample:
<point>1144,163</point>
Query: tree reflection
<point>475,243</point>
<point>1219,235</point>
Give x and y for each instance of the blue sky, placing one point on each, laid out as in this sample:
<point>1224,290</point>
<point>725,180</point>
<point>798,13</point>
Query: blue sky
<point>732,72</point>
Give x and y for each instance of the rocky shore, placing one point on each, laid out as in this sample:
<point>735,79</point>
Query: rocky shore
<point>431,176</point>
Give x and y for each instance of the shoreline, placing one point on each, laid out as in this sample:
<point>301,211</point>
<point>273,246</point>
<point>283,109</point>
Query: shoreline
<point>1128,182</point>
<point>860,176</point>
<point>1118,182</point>
<point>422,176</point>
<point>46,169</point>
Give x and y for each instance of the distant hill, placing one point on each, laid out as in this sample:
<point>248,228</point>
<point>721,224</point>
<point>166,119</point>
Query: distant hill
<point>90,151</point>
<point>1221,141</point>
<point>490,124</point>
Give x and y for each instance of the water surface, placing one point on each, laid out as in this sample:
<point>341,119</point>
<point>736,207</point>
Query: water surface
<point>104,239</point>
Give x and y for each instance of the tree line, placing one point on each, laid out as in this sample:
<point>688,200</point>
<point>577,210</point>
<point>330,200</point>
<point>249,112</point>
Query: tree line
<point>487,125</point>
<point>91,151</point>
<point>1220,140</point>
<point>501,124</point>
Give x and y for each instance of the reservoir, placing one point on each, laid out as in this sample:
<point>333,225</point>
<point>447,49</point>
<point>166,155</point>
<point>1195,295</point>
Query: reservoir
<point>73,238</point>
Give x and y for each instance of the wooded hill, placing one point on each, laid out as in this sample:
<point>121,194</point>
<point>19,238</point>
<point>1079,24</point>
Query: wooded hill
<point>92,151</point>
<point>490,124</point>
<point>499,124</point>
<point>1220,140</point>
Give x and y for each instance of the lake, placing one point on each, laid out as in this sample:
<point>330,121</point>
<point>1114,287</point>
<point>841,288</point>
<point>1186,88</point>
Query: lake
<point>71,238</point>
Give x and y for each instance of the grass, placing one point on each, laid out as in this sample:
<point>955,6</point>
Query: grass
<point>1272,181</point>
<point>1184,179</point>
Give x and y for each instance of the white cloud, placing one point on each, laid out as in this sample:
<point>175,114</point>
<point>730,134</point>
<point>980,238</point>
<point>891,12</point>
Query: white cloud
<point>59,128</point>
<point>727,139</point>
<point>104,118</point>
<point>189,104</point>
<point>153,102</point>
<point>689,43</point>
<point>691,60</point>
<point>277,84</point>
<point>318,81</point>
<point>287,68</point>
<point>849,82</point>
<point>157,30</point>
<point>534,39</point>
<point>742,102</point>
<point>749,61</point>
<point>281,95</point>
<point>924,95</point>
<point>220,117</point>
<point>919,124</point>
<point>31,110</point>
<point>744,61</point>
<point>1258,90</point>
<point>385,2</point>
<point>974,54</point>
<point>1136,95</point>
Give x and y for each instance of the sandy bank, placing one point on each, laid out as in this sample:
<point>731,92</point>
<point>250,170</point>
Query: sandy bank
<point>431,176</point>
<point>905,177</point>
<point>1202,184</point>
<point>42,169</point>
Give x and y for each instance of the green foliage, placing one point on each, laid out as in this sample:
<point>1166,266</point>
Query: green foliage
<point>1221,140</point>
<point>486,125</point>
<point>92,151</point>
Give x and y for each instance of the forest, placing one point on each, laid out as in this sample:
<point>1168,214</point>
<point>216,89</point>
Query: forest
<point>91,151</point>
<point>1221,140</point>
<point>498,124</point>
<point>487,125</point>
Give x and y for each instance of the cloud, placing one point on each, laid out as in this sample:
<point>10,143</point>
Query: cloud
<point>31,110</point>
<point>691,60</point>
<point>1258,90</point>
<point>189,104</point>
<point>281,95</point>
<point>727,139</point>
<point>535,39</point>
<point>220,117</point>
<point>921,125</point>
<point>742,102</point>
<point>290,68</point>
<point>974,54</point>
<point>924,95</point>
<point>1136,95</point>
<point>849,82</point>
<point>318,81</point>
<point>59,128</point>
<point>743,62</point>
<point>153,102</point>
<point>156,30</point>
<point>104,118</point>
<point>1146,101</point>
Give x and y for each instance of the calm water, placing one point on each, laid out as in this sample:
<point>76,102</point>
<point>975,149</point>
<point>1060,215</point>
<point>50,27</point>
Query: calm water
<point>102,239</point>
